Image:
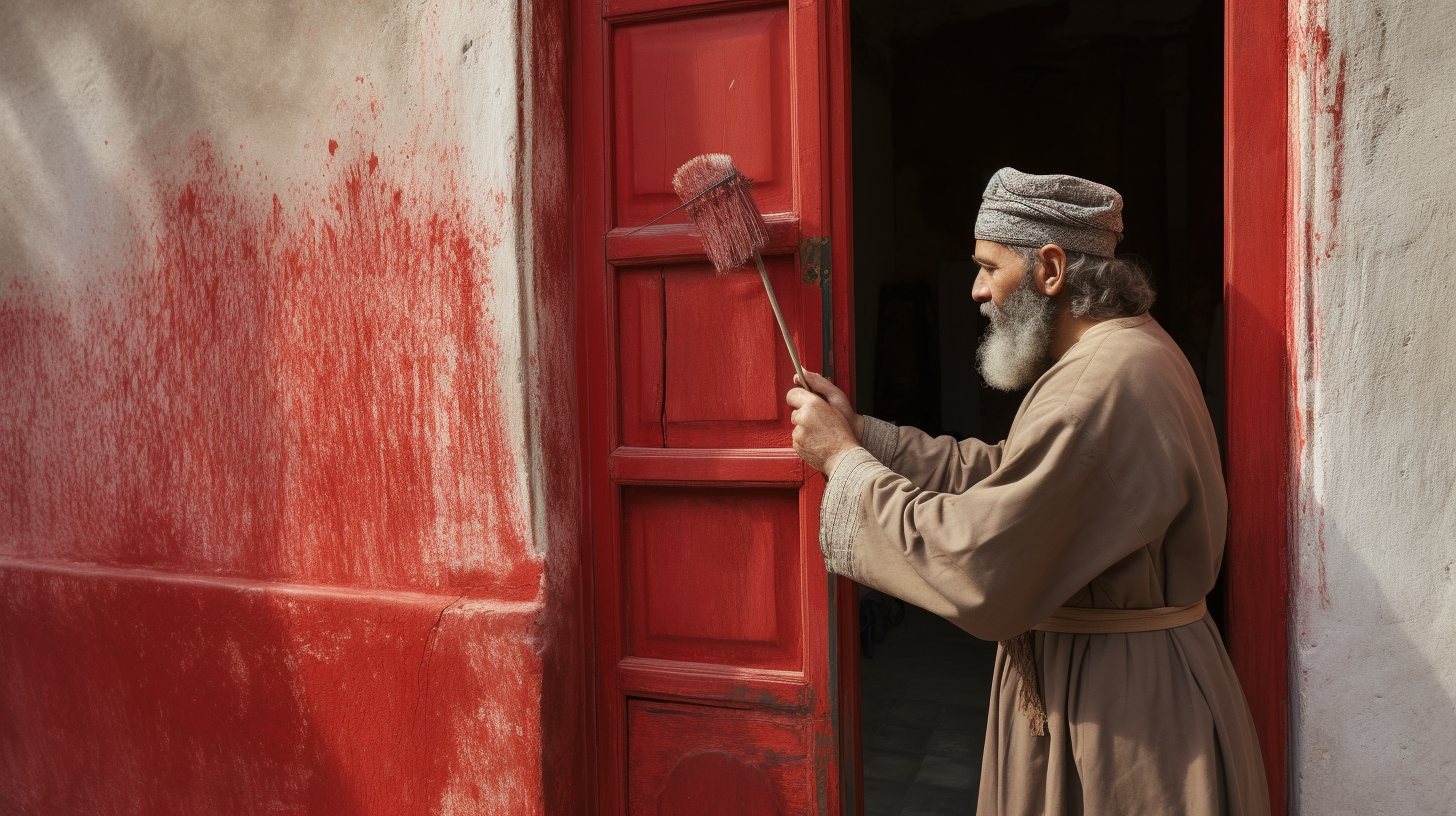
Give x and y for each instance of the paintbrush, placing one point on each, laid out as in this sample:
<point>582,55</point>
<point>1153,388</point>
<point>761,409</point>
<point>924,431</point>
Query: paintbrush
<point>718,201</point>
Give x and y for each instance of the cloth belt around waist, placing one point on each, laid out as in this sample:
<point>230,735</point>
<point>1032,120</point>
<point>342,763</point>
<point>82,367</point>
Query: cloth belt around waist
<point>1075,620</point>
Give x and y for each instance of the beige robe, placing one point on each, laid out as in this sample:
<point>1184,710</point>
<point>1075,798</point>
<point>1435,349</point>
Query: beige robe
<point>1107,493</point>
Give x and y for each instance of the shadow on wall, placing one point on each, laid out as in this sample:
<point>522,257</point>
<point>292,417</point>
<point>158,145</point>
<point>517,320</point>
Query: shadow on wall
<point>53,181</point>
<point>1350,752</point>
<point>1356,752</point>
<point>258,479</point>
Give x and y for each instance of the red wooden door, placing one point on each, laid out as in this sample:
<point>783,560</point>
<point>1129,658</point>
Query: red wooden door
<point>715,667</point>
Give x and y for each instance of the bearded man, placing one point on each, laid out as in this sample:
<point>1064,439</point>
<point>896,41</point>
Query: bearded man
<point>1084,542</point>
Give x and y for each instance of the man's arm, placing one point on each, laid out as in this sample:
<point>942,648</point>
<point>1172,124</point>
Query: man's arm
<point>938,463</point>
<point>995,559</point>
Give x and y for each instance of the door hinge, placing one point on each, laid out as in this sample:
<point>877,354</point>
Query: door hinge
<point>814,259</point>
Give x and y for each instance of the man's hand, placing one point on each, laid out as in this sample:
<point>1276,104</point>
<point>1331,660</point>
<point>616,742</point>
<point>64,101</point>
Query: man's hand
<point>831,393</point>
<point>821,432</point>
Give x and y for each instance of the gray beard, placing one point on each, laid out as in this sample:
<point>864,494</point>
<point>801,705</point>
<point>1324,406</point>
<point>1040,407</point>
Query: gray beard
<point>1013,352</point>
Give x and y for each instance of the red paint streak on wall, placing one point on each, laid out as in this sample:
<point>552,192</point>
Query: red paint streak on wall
<point>276,383</point>
<point>263,537</point>
<point>1336,111</point>
<point>300,386</point>
<point>1329,95</point>
<point>1324,76</point>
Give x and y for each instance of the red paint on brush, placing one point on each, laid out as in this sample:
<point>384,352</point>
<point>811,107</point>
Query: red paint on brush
<point>273,388</point>
<point>717,199</point>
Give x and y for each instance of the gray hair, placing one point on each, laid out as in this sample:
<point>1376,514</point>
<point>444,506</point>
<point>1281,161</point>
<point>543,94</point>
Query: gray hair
<point>1099,287</point>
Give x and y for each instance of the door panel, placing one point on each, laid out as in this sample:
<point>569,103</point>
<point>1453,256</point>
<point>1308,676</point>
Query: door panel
<point>640,344</point>
<point>696,363</point>
<point>726,368</point>
<point>713,575</point>
<point>691,760</point>
<point>712,83</point>
<point>712,611</point>
<point>722,361</point>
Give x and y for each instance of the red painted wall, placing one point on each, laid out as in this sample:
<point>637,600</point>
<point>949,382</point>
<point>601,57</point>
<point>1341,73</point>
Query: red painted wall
<point>297,393</point>
<point>267,537</point>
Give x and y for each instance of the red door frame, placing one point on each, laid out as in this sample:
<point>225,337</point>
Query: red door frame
<point>1258,328</point>
<point>1257,264</point>
<point>844,649</point>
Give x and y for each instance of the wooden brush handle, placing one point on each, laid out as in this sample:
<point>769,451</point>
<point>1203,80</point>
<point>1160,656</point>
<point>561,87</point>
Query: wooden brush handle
<point>783,327</point>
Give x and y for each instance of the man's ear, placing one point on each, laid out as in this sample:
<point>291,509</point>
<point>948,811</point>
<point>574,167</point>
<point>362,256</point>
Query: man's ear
<point>1051,272</point>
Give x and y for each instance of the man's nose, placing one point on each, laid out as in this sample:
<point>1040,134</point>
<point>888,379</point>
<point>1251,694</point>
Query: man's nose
<point>981,289</point>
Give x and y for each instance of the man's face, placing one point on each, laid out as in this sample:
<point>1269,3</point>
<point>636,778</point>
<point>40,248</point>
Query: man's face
<point>1001,272</point>
<point>1014,350</point>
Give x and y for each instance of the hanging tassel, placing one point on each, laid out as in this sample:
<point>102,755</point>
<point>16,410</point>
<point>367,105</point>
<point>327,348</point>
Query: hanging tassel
<point>1021,650</point>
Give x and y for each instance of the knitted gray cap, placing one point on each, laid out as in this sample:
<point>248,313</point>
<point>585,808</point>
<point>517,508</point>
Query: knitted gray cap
<point>1019,209</point>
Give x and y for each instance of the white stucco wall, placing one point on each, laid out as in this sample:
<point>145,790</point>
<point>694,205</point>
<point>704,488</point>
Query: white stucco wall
<point>1374,701</point>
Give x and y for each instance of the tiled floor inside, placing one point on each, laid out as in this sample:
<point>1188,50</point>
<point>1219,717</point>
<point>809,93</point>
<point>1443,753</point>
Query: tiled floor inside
<point>924,697</point>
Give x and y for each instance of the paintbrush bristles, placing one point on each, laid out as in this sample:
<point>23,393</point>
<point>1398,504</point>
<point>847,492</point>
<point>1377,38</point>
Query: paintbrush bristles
<point>729,221</point>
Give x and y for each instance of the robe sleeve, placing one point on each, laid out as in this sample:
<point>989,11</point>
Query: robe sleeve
<point>938,463</point>
<point>998,557</point>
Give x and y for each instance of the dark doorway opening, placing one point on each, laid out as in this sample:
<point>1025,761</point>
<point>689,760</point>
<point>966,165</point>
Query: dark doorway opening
<point>945,92</point>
